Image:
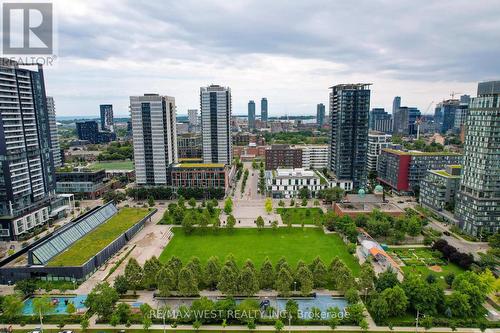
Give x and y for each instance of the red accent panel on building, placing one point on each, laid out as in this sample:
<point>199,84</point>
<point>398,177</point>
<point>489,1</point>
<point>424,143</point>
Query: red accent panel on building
<point>404,168</point>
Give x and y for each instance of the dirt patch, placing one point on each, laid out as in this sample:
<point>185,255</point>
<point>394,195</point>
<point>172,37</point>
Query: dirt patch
<point>436,268</point>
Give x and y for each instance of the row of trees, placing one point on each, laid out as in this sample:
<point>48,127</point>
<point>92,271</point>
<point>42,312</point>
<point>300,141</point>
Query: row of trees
<point>232,280</point>
<point>377,224</point>
<point>392,298</point>
<point>167,193</point>
<point>117,151</point>
<point>450,253</point>
<point>177,213</point>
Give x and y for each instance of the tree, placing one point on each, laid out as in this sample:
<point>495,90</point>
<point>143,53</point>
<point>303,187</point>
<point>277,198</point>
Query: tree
<point>470,284</point>
<point>192,202</point>
<point>146,323</point>
<point>363,324</point>
<point>26,287</point>
<point>188,224</point>
<point>228,206</point>
<point>201,306</point>
<point>292,309</point>
<point>421,295</point>
<point>334,319</point>
<point>115,320</point>
<point>304,193</point>
<point>121,284</point>
<point>123,312</point>
<point>12,306</point>
<point>274,224</point>
<point>281,203</point>
<point>175,264</point>
<point>166,281</point>
<point>356,312</point>
<point>151,268</point>
<point>102,299</point>
<point>194,265</point>
<point>397,300</point>
<point>268,205</point>
<point>188,284</point>
<point>151,201</point>
<point>305,279</point>
<point>212,272</point>
<point>248,281</point>
<point>278,325</point>
<point>228,281</point>
<point>379,308</point>
<point>387,279</point>
<point>84,323</point>
<point>427,322</point>
<point>260,222</point>
<point>319,272</point>
<point>352,296</point>
<point>231,222</point>
<point>266,274</point>
<point>332,194</point>
<point>70,308</point>
<point>458,304</point>
<point>133,274</point>
<point>283,281</point>
<point>366,278</point>
<point>42,306</point>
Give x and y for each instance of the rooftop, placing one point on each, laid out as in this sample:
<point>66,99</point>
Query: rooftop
<point>420,153</point>
<point>444,174</point>
<point>198,165</point>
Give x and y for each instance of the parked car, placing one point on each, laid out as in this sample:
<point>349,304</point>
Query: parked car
<point>66,332</point>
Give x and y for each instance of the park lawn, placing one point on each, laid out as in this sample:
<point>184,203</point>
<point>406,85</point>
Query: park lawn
<point>195,214</point>
<point>424,271</point>
<point>299,215</point>
<point>113,165</point>
<point>251,243</point>
<point>419,256</point>
<point>96,240</point>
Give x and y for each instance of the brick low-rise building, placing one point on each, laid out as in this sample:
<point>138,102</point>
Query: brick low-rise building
<point>283,156</point>
<point>439,187</point>
<point>199,175</point>
<point>403,170</point>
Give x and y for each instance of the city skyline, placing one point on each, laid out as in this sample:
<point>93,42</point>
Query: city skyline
<point>293,72</point>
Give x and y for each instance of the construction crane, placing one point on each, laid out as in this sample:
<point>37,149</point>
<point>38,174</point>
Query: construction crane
<point>453,93</point>
<point>419,120</point>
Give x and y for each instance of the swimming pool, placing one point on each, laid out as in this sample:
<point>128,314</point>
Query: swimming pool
<point>322,302</point>
<point>60,304</point>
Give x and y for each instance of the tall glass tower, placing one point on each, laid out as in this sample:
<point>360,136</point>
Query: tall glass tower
<point>349,110</point>
<point>478,200</point>
<point>263,109</point>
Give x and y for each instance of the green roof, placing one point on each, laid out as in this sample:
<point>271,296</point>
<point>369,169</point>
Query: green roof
<point>199,165</point>
<point>420,153</point>
<point>444,174</point>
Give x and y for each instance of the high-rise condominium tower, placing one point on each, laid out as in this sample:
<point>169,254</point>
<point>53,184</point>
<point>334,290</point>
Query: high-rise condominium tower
<point>478,200</point>
<point>106,117</point>
<point>27,177</point>
<point>396,104</point>
<point>54,136</point>
<point>320,114</point>
<point>251,115</point>
<point>263,109</point>
<point>349,109</point>
<point>155,137</point>
<point>215,105</point>
<point>193,117</point>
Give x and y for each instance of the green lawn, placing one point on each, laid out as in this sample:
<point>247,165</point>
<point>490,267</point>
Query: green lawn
<point>195,216</point>
<point>113,165</point>
<point>418,260</point>
<point>96,240</point>
<point>299,215</point>
<point>424,271</point>
<point>250,243</point>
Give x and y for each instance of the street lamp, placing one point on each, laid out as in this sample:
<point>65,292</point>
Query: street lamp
<point>295,286</point>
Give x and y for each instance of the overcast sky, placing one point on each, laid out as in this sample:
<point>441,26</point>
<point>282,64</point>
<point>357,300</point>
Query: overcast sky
<point>288,51</point>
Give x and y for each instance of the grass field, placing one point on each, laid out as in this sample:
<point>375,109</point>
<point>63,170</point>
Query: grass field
<point>418,260</point>
<point>424,271</point>
<point>299,215</point>
<point>96,240</point>
<point>250,243</point>
<point>113,165</point>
